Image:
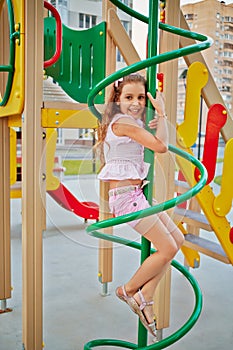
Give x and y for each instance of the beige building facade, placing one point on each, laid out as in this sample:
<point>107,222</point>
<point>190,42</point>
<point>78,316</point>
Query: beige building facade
<point>215,19</point>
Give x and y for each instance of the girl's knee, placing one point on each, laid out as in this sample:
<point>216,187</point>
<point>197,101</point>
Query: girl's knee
<point>172,250</point>
<point>168,254</point>
<point>180,240</point>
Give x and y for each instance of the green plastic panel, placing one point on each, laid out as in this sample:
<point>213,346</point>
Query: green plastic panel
<point>82,62</point>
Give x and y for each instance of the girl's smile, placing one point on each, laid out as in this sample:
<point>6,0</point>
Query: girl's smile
<point>132,100</point>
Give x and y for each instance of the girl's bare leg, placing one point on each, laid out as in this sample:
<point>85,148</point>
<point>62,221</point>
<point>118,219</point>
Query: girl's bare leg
<point>161,231</point>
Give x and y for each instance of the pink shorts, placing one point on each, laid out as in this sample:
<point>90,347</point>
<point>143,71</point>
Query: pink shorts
<point>126,200</point>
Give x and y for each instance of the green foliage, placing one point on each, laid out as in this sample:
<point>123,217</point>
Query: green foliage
<point>80,167</point>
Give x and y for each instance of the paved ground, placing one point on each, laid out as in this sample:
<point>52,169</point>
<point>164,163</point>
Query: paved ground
<point>74,310</point>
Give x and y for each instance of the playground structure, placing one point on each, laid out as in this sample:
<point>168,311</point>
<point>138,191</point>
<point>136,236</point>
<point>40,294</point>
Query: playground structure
<point>38,115</point>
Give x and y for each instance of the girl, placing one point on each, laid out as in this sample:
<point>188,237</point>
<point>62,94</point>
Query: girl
<point>123,139</point>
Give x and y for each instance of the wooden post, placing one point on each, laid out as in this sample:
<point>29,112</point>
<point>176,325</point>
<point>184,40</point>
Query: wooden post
<point>105,247</point>
<point>5,250</point>
<point>168,42</point>
<point>32,179</point>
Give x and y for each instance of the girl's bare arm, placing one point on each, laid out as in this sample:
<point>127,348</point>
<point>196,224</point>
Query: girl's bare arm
<point>127,127</point>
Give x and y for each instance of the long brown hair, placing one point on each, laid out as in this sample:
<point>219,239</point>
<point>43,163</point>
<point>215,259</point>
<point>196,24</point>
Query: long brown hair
<point>112,107</point>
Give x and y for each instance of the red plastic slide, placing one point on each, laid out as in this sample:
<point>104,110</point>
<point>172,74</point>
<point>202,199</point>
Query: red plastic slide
<point>86,210</point>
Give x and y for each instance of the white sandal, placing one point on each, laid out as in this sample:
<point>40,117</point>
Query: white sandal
<point>128,300</point>
<point>138,309</point>
<point>151,327</point>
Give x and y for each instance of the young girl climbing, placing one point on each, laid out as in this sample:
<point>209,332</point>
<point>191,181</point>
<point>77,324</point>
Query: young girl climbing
<point>123,138</point>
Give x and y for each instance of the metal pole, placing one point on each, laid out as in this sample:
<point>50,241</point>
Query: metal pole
<point>153,27</point>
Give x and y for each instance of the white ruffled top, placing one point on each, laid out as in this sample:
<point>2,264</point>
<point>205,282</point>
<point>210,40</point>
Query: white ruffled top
<point>124,157</point>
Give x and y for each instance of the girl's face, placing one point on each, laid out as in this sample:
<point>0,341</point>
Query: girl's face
<point>132,100</point>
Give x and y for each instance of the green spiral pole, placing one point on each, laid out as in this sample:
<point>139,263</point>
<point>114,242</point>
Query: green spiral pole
<point>151,62</point>
<point>93,230</point>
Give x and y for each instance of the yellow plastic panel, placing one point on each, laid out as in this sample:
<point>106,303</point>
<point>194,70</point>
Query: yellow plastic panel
<point>16,193</point>
<point>205,197</point>
<point>56,118</point>
<point>52,182</point>
<point>15,102</point>
<point>197,78</point>
<point>223,202</point>
<point>15,121</point>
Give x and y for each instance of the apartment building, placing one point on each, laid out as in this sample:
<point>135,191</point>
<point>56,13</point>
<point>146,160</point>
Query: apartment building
<point>215,19</point>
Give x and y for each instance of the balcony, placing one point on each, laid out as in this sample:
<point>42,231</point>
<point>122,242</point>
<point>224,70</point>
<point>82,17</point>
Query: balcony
<point>227,63</point>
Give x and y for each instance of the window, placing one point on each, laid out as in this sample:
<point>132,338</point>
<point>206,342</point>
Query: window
<point>226,88</point>
<point>62,3</point>
<point>227,98</point>
<point>84,134</point>
<point>228,46</point>
<point>217,80</point>
<point>81,20</point>
<point>60,136</point>
<point>228,19</point>
<point>228,28</point>
<point>87,21</point>
<point>228,54</point>
<point>228,63</point>
<point>227,71</point>
<point>189,16</point>
<point>227,81</point>
<point>94,18</point>
<point>228,36</point>
<point>126,25</point>
<point>127,2</point>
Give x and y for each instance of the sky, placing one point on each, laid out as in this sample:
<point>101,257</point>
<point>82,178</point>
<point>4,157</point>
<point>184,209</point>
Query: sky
<point>184,2</point>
